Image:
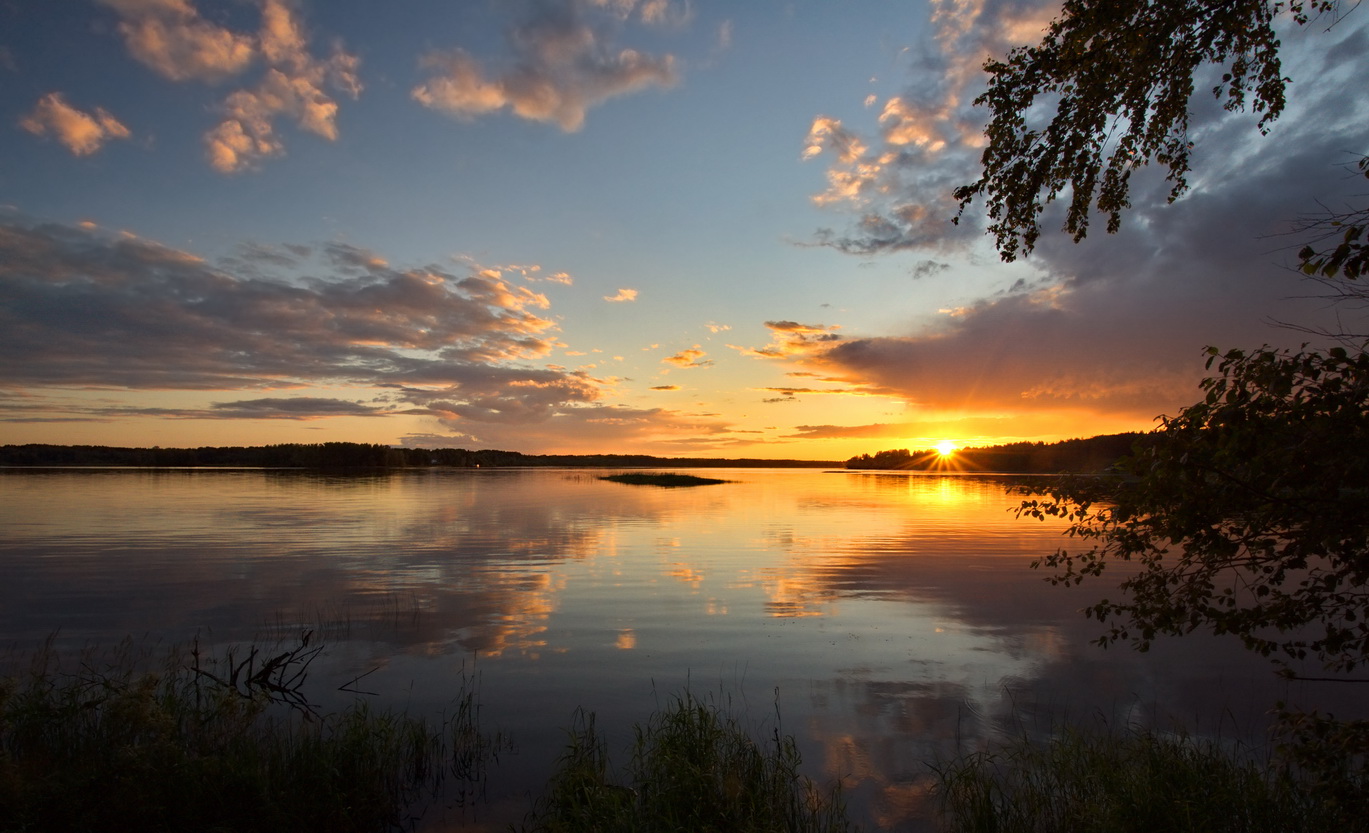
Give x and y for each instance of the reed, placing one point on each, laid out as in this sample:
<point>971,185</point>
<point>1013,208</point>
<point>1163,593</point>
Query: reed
<point>1120,782</point>
<point>693,767</point>
<point>103,743</point>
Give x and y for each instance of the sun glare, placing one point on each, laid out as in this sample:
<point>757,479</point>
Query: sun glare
<point>945,448</point>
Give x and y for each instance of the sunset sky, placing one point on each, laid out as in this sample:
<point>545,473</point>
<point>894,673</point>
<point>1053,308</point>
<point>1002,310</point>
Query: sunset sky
<point>673,227</point>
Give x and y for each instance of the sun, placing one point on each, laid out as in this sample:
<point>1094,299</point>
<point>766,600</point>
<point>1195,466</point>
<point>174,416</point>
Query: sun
<point>945,448</point>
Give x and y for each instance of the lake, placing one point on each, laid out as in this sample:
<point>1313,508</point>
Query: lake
<point>882,619</point>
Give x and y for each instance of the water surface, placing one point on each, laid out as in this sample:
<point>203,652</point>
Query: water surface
<point>886,618</point>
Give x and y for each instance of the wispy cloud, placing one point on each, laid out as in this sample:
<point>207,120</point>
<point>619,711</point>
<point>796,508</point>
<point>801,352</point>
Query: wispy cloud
<point>593,427</point>
<point>80,132</point>
<point>565,63</point>
<point>81,309</point>
<point>623,296</point>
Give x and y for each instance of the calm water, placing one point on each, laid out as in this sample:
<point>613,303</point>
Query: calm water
<point>892,618</point>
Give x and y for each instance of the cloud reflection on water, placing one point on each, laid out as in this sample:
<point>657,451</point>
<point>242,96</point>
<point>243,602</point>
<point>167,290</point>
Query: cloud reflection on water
<point>895,615</point>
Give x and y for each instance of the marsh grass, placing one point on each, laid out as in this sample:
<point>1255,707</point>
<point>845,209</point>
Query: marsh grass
<point>1120,782</point>
<point>102,742</point>
<point>693,767</point>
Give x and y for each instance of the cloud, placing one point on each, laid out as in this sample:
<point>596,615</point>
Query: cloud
<point>1113,327</point>
<point>300,407</point>
<point>665,387</point>
<point>592,427</point>
<point>623,296</point>
<point>564,64</point>
<point>927,139</point>
<point>292,87</point>
<point>79,132</point>
<point>171,38</point>
<point>691,357</point>
<point>790,338</point>
<point>81,309</point>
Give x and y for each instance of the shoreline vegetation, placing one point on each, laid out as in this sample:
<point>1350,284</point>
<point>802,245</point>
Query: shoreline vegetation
<point>112,739</point>
<point>1092,455</point>
<point>1077,456</point>
<point>338,455</point>
<point>117,739</point>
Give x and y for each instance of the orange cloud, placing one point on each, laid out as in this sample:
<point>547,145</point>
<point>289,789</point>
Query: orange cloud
<point>623,296</point>
<point>565,66</point>
<point>692,357</point>
<point>79,132</point>
<point>790,338</point>
<point>293,87</point>
<point>171,38</point>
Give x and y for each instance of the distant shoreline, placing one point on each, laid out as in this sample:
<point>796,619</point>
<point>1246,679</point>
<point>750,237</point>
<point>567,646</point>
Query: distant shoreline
<point>353,456</point>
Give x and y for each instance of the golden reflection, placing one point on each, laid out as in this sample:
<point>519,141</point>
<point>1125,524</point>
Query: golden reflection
<point>686,574</point>
<point>627,640</point>
<point>797,593</point>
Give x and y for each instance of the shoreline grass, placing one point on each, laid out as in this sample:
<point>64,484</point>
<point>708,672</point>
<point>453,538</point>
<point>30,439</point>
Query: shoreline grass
<point>692,767</point>
<point>1129,782</point>
<point>104,741</point>
<point>111,745</point>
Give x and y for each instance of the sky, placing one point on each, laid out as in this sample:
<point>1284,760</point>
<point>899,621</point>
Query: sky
<point>669,227</point>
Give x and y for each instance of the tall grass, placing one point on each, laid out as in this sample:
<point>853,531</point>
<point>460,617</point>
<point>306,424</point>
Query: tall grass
<point>1131,782</point>
<point>108,745</point>
<point>693,767</point>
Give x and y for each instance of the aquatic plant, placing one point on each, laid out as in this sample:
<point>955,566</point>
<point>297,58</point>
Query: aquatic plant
<point>1128,782</point>
<point>223,744</point>
<point>693,767</point>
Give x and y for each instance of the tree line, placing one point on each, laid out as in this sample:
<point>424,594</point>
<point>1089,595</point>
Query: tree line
<point>1077,456</point>
<point>334,455</point>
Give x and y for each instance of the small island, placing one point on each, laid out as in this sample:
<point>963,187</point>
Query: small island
<point>665,480</point>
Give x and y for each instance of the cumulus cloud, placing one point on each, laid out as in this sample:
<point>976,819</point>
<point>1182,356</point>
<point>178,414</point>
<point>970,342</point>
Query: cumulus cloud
<point>171,37</point>
<point>623,296</point>
<point>81,309</point>
<point>790,339</point>
<point>293,87</point>
<point>79,132</point>
<point>565,63</point>
<point>691,357</point>
<point>926,139</point>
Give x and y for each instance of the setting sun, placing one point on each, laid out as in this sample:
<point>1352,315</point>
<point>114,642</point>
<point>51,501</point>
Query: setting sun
<point>945,448</point>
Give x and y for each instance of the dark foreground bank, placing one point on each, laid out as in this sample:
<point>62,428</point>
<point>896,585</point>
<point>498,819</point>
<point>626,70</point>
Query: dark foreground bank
<point>229,744</point>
